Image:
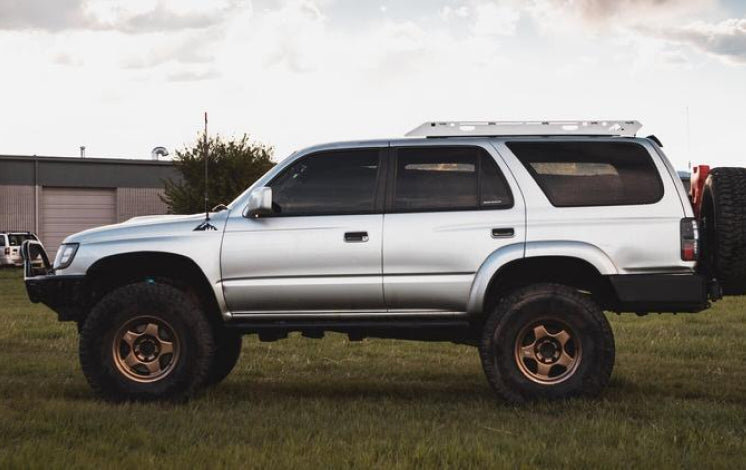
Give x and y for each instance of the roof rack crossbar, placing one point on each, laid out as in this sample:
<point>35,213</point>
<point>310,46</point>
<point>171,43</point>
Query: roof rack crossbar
<point>507,128</point>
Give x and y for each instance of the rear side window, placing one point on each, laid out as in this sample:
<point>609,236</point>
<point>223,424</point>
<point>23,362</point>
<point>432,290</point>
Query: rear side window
<point>2,240</point>
<point>577,174</point>
<point>448,178</point>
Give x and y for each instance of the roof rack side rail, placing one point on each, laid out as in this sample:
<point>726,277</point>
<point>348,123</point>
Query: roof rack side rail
<point>623,128</point>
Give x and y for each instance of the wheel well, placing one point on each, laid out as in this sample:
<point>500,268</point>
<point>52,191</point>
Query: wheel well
<point>177,270</point>
<point>569,271</point>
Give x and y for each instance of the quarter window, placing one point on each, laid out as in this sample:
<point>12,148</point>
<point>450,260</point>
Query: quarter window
<point>577,174</point>
<point>448,178</point>
<point>327,183</point>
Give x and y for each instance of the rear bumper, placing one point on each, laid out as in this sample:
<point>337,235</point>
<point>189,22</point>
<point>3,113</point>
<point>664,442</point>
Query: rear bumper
<point>644,293</point>
<point>63,294</point>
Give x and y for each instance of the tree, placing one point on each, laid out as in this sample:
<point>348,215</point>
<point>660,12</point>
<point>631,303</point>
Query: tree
<point>233,166</point>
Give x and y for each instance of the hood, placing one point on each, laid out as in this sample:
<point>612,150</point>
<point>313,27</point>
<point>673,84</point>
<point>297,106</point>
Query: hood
<point>146,227</point>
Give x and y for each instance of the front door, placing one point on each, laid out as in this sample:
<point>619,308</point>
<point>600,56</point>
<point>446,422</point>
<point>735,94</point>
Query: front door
<point>320,249</point>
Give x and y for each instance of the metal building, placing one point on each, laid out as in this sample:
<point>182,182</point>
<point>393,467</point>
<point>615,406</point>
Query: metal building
<point>57,196</point>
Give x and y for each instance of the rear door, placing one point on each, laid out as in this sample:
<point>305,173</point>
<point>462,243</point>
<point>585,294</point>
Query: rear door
<point>448,208</point>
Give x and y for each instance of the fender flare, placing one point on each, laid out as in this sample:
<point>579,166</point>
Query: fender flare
<point>501,257</point>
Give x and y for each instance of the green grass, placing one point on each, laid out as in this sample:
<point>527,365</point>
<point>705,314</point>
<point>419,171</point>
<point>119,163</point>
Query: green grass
<point>677,399</point>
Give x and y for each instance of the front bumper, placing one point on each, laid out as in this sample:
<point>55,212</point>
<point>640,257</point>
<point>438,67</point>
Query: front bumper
<point>663,293</point>
<point>63,294</point>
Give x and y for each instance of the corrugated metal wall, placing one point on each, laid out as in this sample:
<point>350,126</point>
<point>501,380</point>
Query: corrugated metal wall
<point>17,207</point>
<point>65,211</point>
<point>133,202</point>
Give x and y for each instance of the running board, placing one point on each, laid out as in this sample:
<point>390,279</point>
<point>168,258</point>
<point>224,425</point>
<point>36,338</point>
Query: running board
<point>454,330</point>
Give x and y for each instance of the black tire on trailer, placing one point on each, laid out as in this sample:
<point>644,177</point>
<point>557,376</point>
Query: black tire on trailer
<point>146,342</point>
<point>547,341</point>
<point>723,217</point>
<point>227,350</point>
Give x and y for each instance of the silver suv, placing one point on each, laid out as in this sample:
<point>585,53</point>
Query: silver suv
<point>512,237</point>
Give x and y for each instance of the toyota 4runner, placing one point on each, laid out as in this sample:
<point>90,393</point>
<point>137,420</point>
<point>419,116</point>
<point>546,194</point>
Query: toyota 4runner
<point>512,237</point>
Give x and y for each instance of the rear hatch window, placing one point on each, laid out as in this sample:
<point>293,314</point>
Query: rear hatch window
<point>18,239</point>
<point>579,174</point>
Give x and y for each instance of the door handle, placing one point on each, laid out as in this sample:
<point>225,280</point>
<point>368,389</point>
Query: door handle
<point>502,232</point>
<point>356,237</point>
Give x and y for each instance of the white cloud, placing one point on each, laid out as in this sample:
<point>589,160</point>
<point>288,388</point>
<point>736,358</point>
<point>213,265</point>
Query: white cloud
<point>448,12</point>
<point>725,40</point>
<point>134,16</point>
<point>299,72</point>
<point>623,10</point>
<point>495,19</point>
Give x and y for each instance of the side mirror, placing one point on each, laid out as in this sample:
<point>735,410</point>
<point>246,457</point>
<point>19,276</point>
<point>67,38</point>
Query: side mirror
<point>260,202</point>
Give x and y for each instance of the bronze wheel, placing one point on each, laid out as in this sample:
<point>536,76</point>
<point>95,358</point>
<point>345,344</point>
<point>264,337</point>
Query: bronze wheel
<point>547,341</point>
<point>547,352</point>
<point>145,349</point>
<point>146,341</point>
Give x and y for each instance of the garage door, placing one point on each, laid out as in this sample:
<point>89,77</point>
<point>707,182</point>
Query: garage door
<point>65,211</point>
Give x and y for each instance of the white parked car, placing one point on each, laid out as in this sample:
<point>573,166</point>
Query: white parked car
<point>513,237</point>
<point>10,246</point>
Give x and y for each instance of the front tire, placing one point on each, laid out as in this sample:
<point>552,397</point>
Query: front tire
<point>227,351</point>
<point>146,342</point>
<point>547,341</point>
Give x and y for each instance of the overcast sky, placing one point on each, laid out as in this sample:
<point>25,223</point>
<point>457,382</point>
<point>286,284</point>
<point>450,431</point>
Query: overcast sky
<point>122,77</point>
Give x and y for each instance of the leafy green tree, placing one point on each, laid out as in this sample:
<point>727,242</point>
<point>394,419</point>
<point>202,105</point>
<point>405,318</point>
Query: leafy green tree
<point>233,166</point>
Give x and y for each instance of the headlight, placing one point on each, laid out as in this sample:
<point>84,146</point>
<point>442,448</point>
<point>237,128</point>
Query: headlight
<point>65,255</point>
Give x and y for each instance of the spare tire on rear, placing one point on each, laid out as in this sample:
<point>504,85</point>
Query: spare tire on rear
<point>723,217</point>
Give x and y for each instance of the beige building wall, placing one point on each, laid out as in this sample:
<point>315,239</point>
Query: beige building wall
<point>133,202</point>
<point>17,208</point>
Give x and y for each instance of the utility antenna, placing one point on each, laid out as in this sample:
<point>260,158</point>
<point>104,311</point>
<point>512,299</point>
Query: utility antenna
<point>688,138</point>
<point>205,225</point>
<point>207,213</point>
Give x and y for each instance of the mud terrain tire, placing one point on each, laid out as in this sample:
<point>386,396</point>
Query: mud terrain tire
<point>547,342</point>
<point>724,228</point>
<point>146,342</point>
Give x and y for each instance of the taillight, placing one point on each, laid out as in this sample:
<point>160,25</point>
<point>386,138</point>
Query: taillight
<point>689,239</point>
<point>7,250</point>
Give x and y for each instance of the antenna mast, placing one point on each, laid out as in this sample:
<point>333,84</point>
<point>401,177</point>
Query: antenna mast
<point>207,212</point>
<point>205,225</point>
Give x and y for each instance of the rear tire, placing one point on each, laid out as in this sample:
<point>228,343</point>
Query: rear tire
<point>146,342</point>
<point>724,228</point>
<point>547,341</point>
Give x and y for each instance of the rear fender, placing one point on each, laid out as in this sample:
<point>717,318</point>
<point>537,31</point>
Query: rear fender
<point>502,256</point>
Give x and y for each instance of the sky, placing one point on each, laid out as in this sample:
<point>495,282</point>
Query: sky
<point>122,77</point>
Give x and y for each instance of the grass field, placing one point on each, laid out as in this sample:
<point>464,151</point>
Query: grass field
<point>677,399</point>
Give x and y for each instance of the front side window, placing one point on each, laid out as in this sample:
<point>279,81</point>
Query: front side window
<point>327,183</point>
<point>448,178</point>
<point>578,174</point>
